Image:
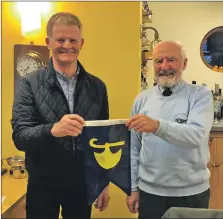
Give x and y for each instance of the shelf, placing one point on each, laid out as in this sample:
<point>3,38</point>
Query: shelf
<point>146,19</point>
<point>145,48</point>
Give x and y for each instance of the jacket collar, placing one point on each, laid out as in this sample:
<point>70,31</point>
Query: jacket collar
<point>51,78</point>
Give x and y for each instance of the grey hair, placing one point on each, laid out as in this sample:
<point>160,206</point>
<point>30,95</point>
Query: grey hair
<point>182,49</point>
<point>178,44</point>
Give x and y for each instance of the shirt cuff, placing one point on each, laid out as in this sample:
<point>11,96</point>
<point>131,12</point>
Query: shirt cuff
<point>134,187</point>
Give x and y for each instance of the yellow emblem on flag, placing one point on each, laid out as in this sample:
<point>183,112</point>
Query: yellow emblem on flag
<point>107,159</point>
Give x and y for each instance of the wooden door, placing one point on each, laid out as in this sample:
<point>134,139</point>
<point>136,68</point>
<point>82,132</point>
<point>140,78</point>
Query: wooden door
<point>212,143</point>
<point>217,188</point>
<point>216,168</point>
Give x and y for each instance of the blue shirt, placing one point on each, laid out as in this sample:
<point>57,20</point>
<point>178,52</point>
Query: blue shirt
<point>68,86</point>
<point>172,88</point>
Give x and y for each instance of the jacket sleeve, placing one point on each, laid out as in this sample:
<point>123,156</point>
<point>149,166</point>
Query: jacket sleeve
<point>195,133</point>
<point>28,134</point>
<point>104,114</point>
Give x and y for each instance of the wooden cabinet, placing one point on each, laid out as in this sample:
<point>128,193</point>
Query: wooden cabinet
<point>216,168</point>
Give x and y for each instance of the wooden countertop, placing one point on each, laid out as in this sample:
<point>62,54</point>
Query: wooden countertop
<point>12,189</point>
<point>217,127</point>
<point>14,204</point>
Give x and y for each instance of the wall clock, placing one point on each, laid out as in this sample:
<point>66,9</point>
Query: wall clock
<point>28,58</point>
<point>29,62</point>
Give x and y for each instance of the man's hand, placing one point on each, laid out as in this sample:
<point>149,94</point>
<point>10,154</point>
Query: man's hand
<point>103,199</point>
<point>133,202</point>
<point>69,125</point>
<point>142,123</point>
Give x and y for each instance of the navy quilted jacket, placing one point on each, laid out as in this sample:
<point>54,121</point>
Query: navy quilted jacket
<point>39,103</point>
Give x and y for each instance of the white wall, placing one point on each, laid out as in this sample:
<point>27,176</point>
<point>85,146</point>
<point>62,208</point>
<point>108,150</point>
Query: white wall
<point>188,22</point>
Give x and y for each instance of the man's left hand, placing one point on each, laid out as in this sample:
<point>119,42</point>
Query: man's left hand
<point>143,123</point>
<point>103,199</point>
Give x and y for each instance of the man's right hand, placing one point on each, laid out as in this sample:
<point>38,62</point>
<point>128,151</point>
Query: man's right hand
<point>69,125</point>
<point>133,202</point>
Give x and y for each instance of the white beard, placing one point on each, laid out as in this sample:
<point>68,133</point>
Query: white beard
<point>167,81</point>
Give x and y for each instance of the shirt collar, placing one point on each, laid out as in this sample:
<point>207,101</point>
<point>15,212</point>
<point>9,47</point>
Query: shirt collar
<point>172,88</point>
<point>63,77</point>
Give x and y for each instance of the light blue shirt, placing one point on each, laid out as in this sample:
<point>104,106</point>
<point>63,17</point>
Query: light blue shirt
<point>173,161</point>
<point>173,88</point>
<point>68,86</point>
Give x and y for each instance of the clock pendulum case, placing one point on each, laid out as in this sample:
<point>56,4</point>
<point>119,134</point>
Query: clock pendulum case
<point>28,58</point>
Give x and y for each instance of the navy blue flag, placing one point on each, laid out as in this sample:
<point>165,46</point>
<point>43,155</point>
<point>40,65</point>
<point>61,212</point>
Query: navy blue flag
<point>107,156</point>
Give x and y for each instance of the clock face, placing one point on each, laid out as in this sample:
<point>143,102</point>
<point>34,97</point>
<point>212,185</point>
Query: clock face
<point>26,64</point>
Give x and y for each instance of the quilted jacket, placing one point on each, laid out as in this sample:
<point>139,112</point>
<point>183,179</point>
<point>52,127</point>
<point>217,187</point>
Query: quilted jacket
<point>39,103</point>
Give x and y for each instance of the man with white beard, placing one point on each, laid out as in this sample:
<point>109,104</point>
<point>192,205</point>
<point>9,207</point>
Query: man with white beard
<point>170,127</point>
